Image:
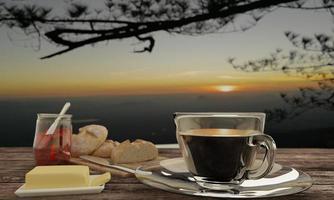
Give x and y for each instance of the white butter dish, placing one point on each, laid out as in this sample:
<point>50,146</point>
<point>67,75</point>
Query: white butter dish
<point>22,192</point>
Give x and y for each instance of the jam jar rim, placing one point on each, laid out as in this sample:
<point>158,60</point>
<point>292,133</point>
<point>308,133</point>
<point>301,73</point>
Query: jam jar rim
<point>53,115</point>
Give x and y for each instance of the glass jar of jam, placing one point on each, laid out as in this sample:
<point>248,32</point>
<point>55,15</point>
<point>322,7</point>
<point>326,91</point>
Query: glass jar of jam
<point>55,148</point>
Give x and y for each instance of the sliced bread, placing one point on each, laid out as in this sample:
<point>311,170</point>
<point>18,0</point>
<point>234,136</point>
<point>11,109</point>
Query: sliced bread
<point>131,152</point>
<point>88,140</point>
<point>105,149</point>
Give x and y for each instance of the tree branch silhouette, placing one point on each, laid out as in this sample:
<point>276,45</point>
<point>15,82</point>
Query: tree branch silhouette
<point>78,27</point>
<point>314,62</point>
<point>82,25</point>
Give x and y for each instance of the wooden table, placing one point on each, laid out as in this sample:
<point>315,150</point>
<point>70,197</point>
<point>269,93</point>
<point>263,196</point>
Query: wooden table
<point>319,163</point>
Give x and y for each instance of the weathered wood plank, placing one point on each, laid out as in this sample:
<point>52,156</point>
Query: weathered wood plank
<point>17,165</point>
<point>322,177</point>
<point>17,176</point>
<point>24,153</point>
<point>15,150</point>
<point>116,191</point>
<point>280,155</point>
<point>19,153</point>
<point>308,164</point>
<point>16,156</point>
<point>172,151</point>
<point>319,163</point>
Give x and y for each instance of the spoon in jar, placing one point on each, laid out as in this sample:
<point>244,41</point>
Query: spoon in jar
<point>54,125</point>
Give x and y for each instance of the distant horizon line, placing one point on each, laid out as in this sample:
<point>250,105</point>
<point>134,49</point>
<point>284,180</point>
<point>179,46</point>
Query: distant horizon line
<point>9,97</point>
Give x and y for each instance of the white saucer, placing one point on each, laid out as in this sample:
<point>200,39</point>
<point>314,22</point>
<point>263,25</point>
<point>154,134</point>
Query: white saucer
<point>22,192</point>
<point>173,176</point>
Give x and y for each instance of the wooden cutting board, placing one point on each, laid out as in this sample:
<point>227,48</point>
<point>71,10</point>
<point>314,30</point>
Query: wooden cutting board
<point>148,165</point>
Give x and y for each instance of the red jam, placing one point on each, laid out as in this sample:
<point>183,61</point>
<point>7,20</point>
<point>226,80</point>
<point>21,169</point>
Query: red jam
<point>53,149</point>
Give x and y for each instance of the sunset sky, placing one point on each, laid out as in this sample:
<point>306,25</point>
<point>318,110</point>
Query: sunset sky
<point>178,64</point>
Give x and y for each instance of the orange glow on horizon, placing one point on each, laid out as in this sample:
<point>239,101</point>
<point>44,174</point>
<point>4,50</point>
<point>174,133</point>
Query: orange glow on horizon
<point>226,88</point>
<point>155,86</point>
<point>220,88</point>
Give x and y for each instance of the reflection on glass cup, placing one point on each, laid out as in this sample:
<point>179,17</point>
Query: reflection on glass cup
<point>54,148</point>
<point>221,148</point>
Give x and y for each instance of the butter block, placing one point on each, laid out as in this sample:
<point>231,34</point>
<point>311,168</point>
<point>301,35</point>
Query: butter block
<point>59,176</point>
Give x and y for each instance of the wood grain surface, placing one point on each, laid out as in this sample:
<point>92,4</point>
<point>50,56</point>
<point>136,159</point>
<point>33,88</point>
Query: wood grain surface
<point>319,163</point>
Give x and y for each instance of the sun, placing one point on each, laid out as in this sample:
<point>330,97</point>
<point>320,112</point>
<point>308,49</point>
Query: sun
<point>226,88</point>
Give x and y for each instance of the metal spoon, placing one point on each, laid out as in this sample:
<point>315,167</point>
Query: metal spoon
<point>143,176</point>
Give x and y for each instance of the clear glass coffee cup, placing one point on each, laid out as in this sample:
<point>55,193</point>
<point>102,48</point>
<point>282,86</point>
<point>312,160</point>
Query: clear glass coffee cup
<point>55,148</point>
<point>221,148</point>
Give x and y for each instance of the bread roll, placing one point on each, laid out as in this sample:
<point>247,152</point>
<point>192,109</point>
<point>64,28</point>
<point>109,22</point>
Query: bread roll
<point>88,140</point>
<point>137,151</point>
<point>105,149</point>
<point>98,131</point>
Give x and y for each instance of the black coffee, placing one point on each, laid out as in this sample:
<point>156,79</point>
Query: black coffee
<point>218,154</point>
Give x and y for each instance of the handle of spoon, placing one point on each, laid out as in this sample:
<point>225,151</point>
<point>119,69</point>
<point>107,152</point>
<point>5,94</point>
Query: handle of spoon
<point>54,125</point>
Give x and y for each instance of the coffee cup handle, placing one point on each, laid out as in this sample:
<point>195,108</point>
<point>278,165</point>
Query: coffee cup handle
<point>268,162</point>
